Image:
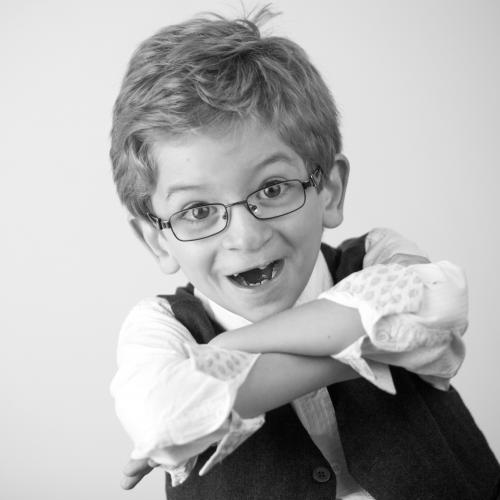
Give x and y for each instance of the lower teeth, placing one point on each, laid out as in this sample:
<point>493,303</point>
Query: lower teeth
<point>256,284</point>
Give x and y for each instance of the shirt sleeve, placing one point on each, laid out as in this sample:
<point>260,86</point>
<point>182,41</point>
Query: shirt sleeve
<point>413,317</point>
<point>175,397</point>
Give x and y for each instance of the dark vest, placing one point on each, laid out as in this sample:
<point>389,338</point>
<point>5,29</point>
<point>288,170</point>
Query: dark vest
<point>420,444</point>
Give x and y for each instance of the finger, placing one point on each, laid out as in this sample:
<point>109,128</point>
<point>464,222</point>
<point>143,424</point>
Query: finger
<point>136,467</point>
<point>129,482</point>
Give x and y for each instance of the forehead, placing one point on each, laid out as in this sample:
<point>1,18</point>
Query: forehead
<point>202,160</point>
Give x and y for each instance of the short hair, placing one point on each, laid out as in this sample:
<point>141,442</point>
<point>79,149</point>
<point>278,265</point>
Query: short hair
<point>209,73</point>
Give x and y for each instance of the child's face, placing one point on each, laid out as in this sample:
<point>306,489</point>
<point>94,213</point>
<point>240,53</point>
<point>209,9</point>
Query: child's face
<point>227,168</point>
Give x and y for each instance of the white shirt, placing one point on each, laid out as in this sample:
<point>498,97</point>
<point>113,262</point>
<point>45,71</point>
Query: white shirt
<point>175,397</point>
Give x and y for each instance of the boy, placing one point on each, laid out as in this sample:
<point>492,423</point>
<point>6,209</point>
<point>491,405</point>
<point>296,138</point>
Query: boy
<point>226,150</point>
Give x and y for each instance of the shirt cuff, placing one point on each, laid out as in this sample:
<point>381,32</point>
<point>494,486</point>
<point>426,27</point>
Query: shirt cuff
<point>214,422</point>
<point>413,317</point>
<point>238,430</point>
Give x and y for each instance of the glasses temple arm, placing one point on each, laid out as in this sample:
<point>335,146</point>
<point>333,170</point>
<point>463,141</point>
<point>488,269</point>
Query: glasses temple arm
<point>157,222</point>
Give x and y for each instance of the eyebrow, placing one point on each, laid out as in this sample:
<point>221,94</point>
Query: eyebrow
<point>274,158</point>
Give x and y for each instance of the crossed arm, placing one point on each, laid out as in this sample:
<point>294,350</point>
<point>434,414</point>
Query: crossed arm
<point>296,358</point>
<point>277,378</point>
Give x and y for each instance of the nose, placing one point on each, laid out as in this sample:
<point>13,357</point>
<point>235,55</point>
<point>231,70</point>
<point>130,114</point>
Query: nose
<point>244,231</point>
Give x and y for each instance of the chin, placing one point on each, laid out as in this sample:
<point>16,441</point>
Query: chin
<point>259,313</point>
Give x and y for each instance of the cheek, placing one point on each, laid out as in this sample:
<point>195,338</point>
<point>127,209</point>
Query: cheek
<point>303,238</point>
<point>309,224</point>
<point>195,259</point>
<point>308,233</point>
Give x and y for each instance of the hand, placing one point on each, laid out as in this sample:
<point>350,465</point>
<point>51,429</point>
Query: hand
<point>135,470</point>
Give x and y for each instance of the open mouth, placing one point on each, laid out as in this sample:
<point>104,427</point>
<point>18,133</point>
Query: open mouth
<point>258,275</point>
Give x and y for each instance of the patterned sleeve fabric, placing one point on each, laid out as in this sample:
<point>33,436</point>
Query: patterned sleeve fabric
<point>413,317</point>
<point>175,397</point>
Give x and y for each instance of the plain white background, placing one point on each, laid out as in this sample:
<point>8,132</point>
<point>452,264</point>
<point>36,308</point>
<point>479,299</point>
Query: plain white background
<point>417,84</point>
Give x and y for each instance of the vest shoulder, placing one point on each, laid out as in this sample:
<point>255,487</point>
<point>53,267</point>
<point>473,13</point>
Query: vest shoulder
<point>345,259</point>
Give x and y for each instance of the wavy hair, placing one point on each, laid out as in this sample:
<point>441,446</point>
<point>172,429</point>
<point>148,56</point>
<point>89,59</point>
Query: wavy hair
<point>210,73</point>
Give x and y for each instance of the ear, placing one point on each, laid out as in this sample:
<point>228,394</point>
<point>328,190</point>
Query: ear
<point>156,243</point>
<point>333,192</point>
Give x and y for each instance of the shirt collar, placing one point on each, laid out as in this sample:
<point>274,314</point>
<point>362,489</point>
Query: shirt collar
<point>319,281</point>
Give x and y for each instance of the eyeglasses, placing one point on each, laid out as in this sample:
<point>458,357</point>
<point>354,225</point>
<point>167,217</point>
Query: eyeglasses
<point>272,201</point>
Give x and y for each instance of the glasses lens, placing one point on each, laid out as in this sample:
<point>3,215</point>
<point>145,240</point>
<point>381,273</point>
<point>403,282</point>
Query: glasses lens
<point>277,199</point>
<point>199,222</point>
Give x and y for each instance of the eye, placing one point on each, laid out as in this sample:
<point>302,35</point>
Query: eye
<point>274,190</point>
<point>199,213</point>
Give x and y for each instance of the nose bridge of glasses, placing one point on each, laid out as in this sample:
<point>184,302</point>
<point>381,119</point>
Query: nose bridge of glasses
<point>243,231</point>
<point>251,208</point>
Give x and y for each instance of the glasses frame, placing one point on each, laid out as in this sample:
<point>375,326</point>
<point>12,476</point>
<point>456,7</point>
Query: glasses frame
<point>161,224</point>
